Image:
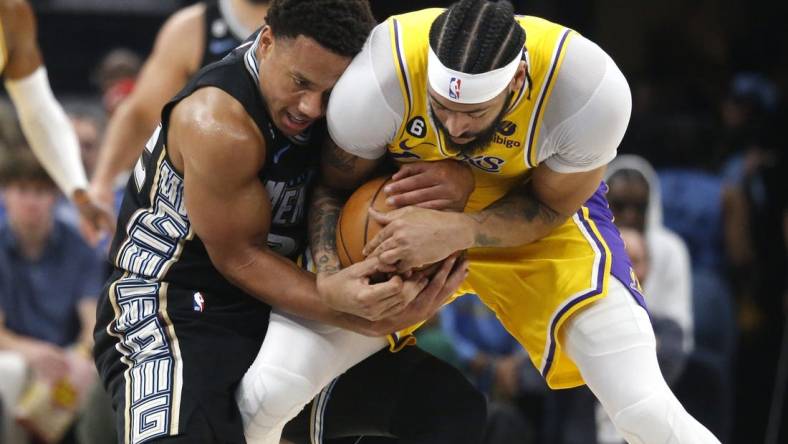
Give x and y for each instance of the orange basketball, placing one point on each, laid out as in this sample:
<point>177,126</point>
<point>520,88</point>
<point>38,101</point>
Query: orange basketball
<point>355,227</point>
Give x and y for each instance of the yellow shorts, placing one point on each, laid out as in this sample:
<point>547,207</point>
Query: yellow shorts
<point>535,288</point>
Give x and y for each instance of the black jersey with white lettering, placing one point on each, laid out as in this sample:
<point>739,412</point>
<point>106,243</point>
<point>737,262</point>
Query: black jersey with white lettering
<point>155,238</point>
<point>219,36</point>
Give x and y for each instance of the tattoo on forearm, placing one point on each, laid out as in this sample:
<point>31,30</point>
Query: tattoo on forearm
<point>340,159</point>
<point>483,240</point>
<point>323,218</point>
<point>519,204</point>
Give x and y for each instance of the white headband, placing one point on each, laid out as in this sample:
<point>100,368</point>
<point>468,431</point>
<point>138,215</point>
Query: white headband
<point>461,87</point>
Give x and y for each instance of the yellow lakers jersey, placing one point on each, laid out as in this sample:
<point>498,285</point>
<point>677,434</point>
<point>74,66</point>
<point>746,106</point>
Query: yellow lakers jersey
<point>513,150</point>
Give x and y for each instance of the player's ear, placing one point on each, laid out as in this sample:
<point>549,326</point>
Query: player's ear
<point>519,75</point>
<point>267,41</point>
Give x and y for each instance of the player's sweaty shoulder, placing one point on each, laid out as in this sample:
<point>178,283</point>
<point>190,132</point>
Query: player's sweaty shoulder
<point>212,128</point>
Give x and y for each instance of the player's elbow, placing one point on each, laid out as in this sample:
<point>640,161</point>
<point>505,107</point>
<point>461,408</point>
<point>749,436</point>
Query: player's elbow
<point>231,261</point>
<point>617,99</point>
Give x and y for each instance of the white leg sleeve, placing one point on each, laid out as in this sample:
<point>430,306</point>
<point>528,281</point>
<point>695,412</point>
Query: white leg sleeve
<point>297,359</point>
<point>13,379</point>
<point>613,345</point>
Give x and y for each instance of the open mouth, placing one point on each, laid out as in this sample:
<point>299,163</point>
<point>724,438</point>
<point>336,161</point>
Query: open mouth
<point>297,123</point>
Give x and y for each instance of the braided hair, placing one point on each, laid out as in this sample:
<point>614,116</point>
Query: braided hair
<point>476,36</point>
<point>341,26</point>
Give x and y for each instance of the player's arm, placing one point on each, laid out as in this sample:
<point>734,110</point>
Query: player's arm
<point>420,298</point>
<point>413,237</point>
<point>44,123</point>
<point>439,185</point>
<point>222,151</point>
<point>360,120</point>
<point>532,210</point>
<point>86,309</point>
<point>175,57</point>
<point>341,172</point>
<point>19,23</point>
<point>228,206</point>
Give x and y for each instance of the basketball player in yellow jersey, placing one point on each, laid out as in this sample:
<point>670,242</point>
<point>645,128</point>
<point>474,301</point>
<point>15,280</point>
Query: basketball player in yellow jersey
<point>45,125</point>
<point>537,120</point>
<point>537,110</point>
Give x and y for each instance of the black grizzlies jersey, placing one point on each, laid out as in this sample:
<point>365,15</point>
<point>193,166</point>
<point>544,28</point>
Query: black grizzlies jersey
<point>219,36</point>
<point>158,241</point>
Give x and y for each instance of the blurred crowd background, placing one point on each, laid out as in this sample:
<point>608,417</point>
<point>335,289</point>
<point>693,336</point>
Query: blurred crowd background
<point>699,190</point>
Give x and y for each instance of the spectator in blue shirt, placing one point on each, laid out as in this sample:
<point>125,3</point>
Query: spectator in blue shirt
<point>49,281</point>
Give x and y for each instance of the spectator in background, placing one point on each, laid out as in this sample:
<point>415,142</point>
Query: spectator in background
<point>42,118</point>
<point>215,28</point>
<point>636,201</point>
<point>710,219</point>
<point>88,123</point>
<point>753,174</point>
<point>49,281</point>
<point>116,76</point>
<point>10,132</point>
<point>638,252</point>
<point>660,264</point>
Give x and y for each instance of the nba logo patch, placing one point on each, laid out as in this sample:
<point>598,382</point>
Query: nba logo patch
<point>454,88</point>
<point>199,302</point>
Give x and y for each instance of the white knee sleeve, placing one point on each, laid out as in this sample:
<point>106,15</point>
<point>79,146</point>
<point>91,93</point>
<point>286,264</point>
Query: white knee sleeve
<point>297,359</point>
<point>613,345</point>
<point>271,398</point>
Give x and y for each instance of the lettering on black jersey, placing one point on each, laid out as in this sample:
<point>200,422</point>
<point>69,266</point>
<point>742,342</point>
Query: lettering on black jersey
<point>288,199</point>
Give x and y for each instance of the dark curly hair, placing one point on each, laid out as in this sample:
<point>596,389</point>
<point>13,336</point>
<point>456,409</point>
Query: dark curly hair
<point>476,36</point>
<point>20,165</point>
<point>341,26</point>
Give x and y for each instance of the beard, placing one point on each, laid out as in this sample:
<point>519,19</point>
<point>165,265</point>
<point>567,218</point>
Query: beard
<point>481,139</point>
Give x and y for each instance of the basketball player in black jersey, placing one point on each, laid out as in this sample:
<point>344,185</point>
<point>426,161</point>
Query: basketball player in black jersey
<point>219,27</point>
<point>191,38</point>
<point>213,217</point>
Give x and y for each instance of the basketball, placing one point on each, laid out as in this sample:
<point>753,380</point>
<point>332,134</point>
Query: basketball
<point>355,227</point>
